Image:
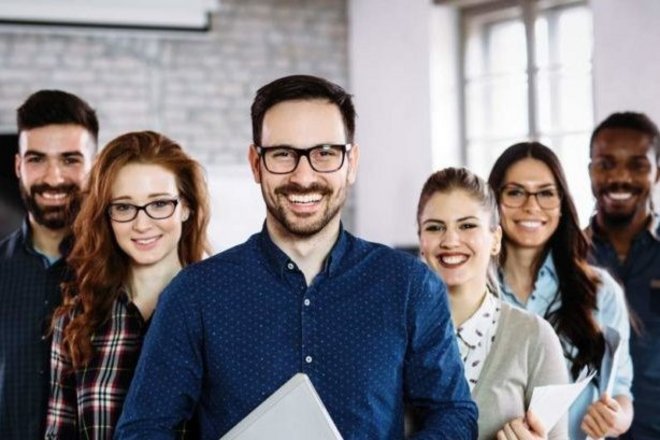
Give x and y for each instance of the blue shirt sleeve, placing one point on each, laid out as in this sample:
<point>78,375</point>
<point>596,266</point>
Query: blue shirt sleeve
<point>613,312</point>
<point>434,380</point>
<point>168,378</point>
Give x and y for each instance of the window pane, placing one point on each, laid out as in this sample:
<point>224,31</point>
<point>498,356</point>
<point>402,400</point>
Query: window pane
<point>496,81</point>
<point>565,102</point>
<point>506,47</point>
<point>482,155</point>
<point>497,95</point>
<point>575,38</point>
<point>497,108</point>
<point>564,89</point>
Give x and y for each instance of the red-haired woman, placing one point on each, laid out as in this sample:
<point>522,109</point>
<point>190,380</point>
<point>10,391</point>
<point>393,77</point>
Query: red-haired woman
<point>144,217</point>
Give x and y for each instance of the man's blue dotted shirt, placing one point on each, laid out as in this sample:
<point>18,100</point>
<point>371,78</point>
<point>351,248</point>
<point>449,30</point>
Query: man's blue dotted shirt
<point>372,332</point>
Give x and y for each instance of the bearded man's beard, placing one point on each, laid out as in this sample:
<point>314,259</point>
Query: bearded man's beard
<point>52,217</point>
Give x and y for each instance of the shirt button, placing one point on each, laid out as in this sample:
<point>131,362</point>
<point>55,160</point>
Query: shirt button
<point>290,266</point>
<point>46,302</point>
<point>533,296</point>
<point>308,359</point>
<point>307,302</point>
<point>41,372</point>
<point>43,337</point>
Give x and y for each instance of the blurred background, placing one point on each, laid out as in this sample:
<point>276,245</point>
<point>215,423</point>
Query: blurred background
<point>436,83</point>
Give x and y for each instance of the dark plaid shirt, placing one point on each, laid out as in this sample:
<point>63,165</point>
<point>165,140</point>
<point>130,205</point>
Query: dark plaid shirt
<point>86,403</point>
<point>29,292</point>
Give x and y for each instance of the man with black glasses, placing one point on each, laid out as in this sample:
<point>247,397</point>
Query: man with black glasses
<point>370,326</point>
<point>57,141</point>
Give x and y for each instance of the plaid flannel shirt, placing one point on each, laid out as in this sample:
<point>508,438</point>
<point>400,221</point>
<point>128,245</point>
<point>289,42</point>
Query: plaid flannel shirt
<point>86,403</point>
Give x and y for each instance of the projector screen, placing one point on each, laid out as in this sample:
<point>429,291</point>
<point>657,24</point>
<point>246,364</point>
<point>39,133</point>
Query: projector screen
<point>160,14</point>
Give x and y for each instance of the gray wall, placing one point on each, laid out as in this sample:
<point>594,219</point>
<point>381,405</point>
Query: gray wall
<point>195,87</point>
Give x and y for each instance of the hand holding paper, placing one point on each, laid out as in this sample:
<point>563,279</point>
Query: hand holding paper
<point>528,427</point>
<point>550,402</point>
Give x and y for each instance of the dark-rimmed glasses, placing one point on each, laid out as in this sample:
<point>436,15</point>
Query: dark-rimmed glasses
<point>323,158</point>
<point>515,196</point>
<point>158,210</point>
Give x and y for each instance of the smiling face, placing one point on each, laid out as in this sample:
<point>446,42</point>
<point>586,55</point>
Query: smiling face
<point>52,166</point>
<point>457,240</point>
<point>304,202</point>
<point>145,240</point>
<point>623,171</point>
<point>529,225</point>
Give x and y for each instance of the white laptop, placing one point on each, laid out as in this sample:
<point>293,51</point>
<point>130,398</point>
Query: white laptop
<point>293,412</point>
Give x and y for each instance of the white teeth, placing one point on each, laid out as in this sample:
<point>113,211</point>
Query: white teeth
<point>304,198</point>
<point>619,195</point>
<point>53,196</point>
<point>146,240</point>
<point>453,259</point>
<point>532,224</point>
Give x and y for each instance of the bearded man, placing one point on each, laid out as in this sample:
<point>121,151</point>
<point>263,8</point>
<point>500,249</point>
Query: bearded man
<point>57,134</point>
<point>369,325</point>
<point>625,152</point>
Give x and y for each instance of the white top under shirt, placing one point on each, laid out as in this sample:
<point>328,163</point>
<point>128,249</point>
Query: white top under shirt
<point>476,335</point>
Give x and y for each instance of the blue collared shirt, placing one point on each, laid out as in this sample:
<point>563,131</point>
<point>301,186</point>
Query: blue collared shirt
<point>611,311</point>
<point>372,331</point>
<point>29,292</point>
<point>640,275</point>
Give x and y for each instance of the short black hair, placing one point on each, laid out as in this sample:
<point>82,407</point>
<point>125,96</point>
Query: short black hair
<point>47,107</point>
<point>301,87</point>
<point>631,121</point>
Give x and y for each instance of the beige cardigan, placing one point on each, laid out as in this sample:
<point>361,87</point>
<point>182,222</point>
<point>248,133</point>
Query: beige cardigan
<point>526,353</point>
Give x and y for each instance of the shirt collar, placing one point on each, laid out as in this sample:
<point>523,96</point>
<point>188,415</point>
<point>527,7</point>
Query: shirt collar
<point>26,238</point>
<point>472,331</point>
<point>26,234</point>
<point>548,268</point>
<point>545,285</point>
<point>280,261</point>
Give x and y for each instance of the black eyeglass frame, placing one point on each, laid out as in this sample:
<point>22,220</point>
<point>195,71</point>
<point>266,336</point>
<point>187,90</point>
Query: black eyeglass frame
<point>303,152</point>
<point>529,194</point>
<point>175,203</point>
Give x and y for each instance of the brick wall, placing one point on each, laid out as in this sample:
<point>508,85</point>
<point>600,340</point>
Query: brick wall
<point>195,87</point>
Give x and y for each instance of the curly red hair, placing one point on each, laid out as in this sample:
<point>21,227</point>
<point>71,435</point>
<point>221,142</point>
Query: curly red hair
<point>100,267</point>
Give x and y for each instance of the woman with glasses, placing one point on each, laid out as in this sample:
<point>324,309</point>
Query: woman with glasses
<point>506,352</point>
<point>143,218</point>
<point>544,269</point>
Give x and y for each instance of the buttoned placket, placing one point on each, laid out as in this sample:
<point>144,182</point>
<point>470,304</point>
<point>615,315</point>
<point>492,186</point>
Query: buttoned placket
<point>53,274</point>
<point>307,331</point>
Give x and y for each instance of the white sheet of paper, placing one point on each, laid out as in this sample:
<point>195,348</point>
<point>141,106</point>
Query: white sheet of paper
<point>293,412</point>
<point>550,402</point>
<point>610,362</point>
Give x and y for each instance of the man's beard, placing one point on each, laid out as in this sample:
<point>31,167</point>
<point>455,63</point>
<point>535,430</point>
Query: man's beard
<point>52,217</point>
<point>619,220</point>
<point>301,229</point>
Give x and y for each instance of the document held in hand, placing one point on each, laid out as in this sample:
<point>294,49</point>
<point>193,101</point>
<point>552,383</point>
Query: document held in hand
<point>293,412</point>
<point>550,402</point>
